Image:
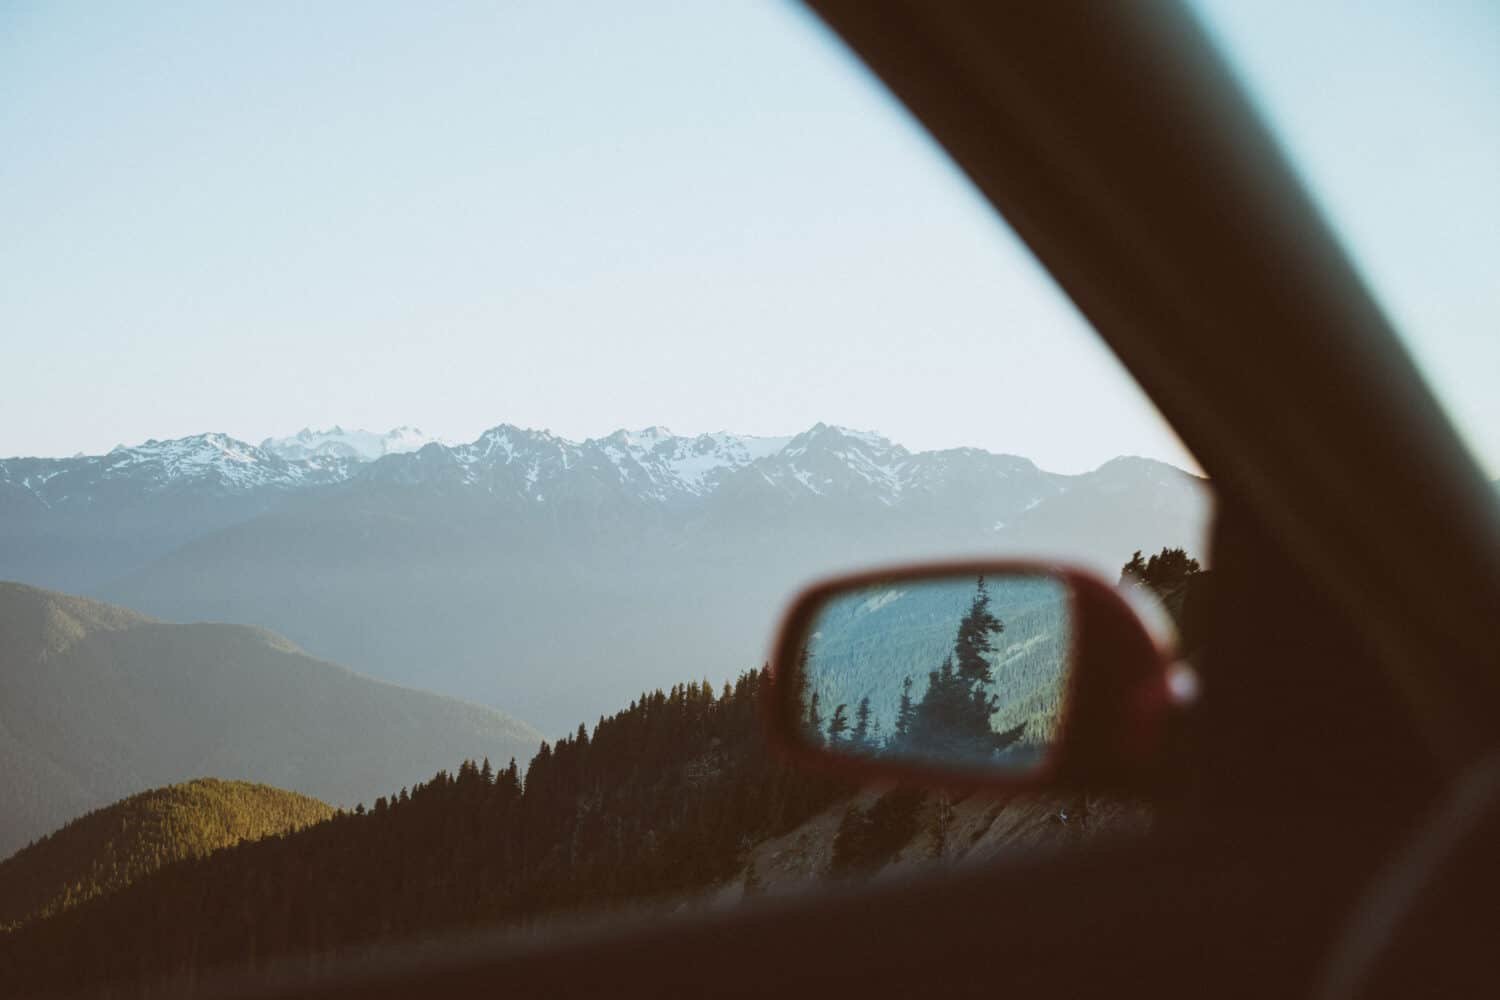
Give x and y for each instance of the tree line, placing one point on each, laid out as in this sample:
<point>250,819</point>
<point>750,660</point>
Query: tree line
<point>664,797</point>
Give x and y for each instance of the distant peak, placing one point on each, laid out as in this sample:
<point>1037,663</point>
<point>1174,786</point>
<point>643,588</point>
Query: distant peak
<point>868,437</point>
<point>212,440</point>
<point>821,432</point>
<point>340,442</point>
<point>510,432</point>
<point>649,436</point>
<point>1128,462</point>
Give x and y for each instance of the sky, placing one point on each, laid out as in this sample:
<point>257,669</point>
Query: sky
<point>1390,110</point>
<point>255,218</point>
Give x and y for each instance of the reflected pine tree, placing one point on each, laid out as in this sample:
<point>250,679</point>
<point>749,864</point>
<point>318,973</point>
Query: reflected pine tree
<point>951,722</point>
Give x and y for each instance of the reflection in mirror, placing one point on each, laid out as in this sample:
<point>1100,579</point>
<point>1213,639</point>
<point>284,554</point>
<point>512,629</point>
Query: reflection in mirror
<point>946,671</point>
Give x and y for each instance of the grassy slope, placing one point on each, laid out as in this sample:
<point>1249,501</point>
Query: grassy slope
<point>110,848</point>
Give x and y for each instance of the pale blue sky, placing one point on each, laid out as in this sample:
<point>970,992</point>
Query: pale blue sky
<point>1391,110</point>
<point>255,217</point>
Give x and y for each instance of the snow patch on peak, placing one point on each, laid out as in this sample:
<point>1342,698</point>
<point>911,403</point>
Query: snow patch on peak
<point>697,462</point>
<point>336,442</point>
<point>665,464</point>
<point>754,447</point>
<point>648,437</point>
<point>211,457</point>
<point>200,449</point>
<point>495,440</point>
<point>403,439</point>
<point>869,438</point>
<point>826,455</point>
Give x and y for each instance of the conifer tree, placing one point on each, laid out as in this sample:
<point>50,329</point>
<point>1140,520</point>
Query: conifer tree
<point>839,724</point>
<point>953,718</point>
<point>814,719</point>
<point>904,714</point>
<point>973,642</point>
<point>860,734</point>
<point>1162,572</point>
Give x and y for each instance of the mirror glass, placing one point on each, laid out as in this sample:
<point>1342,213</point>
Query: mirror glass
<point>953,672</point>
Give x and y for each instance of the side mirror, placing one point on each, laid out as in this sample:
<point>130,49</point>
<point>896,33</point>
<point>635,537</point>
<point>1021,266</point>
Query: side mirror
<point>998,674</point>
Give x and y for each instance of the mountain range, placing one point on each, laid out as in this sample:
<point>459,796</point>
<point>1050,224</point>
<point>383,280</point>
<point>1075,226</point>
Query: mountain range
<point>98,702</point>
<point>553,578</point>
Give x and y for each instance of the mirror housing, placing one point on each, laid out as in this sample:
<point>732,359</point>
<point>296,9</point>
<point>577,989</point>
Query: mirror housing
<point>1106,724</point>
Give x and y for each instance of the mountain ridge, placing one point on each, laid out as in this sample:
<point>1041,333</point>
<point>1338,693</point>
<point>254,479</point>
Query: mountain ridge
<point>663,464</point>
<point>98,702</point>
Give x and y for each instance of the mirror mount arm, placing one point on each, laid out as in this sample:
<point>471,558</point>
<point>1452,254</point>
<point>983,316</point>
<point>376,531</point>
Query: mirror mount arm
<point>1115,730</point>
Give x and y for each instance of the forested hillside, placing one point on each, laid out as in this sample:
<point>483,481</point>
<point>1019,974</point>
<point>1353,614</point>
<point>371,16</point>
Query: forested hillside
<point>676,795</point>
<point>880,650</point>
<point>1183,587</point>
<point>664,797</point>
<point>113,847</point>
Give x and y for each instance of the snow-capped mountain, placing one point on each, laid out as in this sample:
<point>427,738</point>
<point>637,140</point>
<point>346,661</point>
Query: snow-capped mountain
<point>673,464</point>
<point>336,442</point>
<point>652,465</point>
<point>73,523</point>
<point>656,465</point>
<point>825,464</point>
<point>211,462</point>
<point>551,576</point>
<point>649,466</point>
<point>827,460</point>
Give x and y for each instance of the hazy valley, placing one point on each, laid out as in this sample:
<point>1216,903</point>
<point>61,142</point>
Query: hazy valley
<point>97,703</point>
